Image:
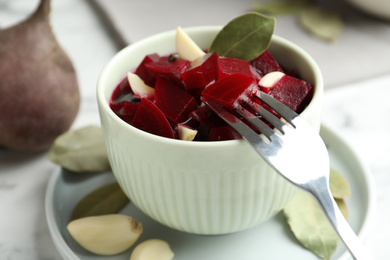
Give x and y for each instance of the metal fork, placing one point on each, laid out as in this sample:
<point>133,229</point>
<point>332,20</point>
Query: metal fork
<point>284,143</point>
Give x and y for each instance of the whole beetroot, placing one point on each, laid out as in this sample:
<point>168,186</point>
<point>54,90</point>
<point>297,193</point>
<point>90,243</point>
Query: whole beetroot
<point>39,95</point>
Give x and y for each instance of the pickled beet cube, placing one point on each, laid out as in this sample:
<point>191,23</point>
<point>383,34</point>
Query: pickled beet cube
<point>206,116</point>
<point>125,110</point>
<point>144,73</point>
<point>173,100</point>
<point>170,69</point>
<point>149,118</point>
<point>228,66</point>
<point>293,92</point>
<point>121,90</point>
<point>265,63</point>
<point>231,90</point>
<point>201,72</point>
<point>222,133</point>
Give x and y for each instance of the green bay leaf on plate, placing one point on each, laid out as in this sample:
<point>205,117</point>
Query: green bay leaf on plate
<point>320,22</point>
<point>81,150</point>
<point>338,185</point>
<point>310,226</point>
<point>245,37</point>
<point>278,7</point>
<point>343,207</point>
<point>108,199</point>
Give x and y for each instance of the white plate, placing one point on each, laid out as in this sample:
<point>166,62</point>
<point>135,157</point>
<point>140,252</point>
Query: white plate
<point>270,240</point>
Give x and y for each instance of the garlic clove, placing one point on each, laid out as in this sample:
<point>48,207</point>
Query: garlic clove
<point>186,47</point>
<point>186,133</point>
<point>152,249</point>
<point>271,79</point>
<point>139,87</point>
<point>107,234</point>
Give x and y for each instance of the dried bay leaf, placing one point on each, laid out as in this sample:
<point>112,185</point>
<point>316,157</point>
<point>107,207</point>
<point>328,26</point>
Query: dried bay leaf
<point>320,22</point>
<point>338,185</point>
<point>281,6</point>
<point>81,150</point>
<point>310,226</point>
<point>245,37</point>
<point>108,199</point>
<point>343,207</point>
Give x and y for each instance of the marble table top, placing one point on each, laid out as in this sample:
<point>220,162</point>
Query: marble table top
<point>355,104</point>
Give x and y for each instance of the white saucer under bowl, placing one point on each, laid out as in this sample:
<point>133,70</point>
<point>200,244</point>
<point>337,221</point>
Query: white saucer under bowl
<point>270,240</point>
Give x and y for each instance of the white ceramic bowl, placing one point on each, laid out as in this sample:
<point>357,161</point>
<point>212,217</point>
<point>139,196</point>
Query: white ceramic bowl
<point>197,187</point>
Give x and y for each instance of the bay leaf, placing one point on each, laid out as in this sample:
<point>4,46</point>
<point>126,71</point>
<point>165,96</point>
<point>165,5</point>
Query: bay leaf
<point>320,22</point>
<point>279,7</point>
<point>81,150</point>
<point>310,226</point>
<point>245,37</point>
<point>338,185</point>
<point>108,199</point>
<point>343,207</point>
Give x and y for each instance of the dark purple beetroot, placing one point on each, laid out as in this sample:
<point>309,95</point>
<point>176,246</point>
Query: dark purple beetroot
<point>265,63</point>
<point>170,69</point>
<point>231,90</point>
<point>206,116</point>
<point>151,119</point>
<point>228,66</point>
<point>173,100</point>
<point>122,89</point>
<point>201,72</point>
<point>293,92</point>
<point>222,133</point>
<point>144,73</point>
<point>123,103</point>
<point>125,110</point>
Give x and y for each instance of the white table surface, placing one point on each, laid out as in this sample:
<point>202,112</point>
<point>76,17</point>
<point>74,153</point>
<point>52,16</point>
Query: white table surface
<point>356,104</point>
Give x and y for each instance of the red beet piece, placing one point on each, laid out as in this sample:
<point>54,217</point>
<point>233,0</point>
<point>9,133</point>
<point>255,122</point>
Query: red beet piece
<point>228,66</point>
<point>206,116</point>
<point>123,103</point>
<point>265,63</point>
<point>170,69</point>
<point>121,90</point>
<point>201,72</point>
<point>197,93</point>
<point>125,110</point>
<point>293,92</point>
<point>223,133</point>
<point>149,118</point>
<point>173,100</point>
<point>144,73</point>
<point>231,90</point>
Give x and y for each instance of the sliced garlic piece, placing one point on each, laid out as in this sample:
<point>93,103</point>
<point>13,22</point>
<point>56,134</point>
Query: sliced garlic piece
<point>139,87</point>
<point>186,133</point>
<point>186,47</point>
<point>152,249</point>
<point>107,234</point>
<point>271,79</point>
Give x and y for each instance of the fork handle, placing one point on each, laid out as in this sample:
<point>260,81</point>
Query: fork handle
<point>339,223</point>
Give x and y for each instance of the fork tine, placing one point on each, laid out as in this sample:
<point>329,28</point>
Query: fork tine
<point>242,128</point>
<point>271,118</point>
<point>280,108</point>
<point>255,121</point>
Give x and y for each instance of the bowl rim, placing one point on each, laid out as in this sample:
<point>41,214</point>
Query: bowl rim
<point>104,105</point>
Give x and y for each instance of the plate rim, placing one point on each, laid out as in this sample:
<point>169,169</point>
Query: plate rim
<point>368,181</point>
<point>369,214</point>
